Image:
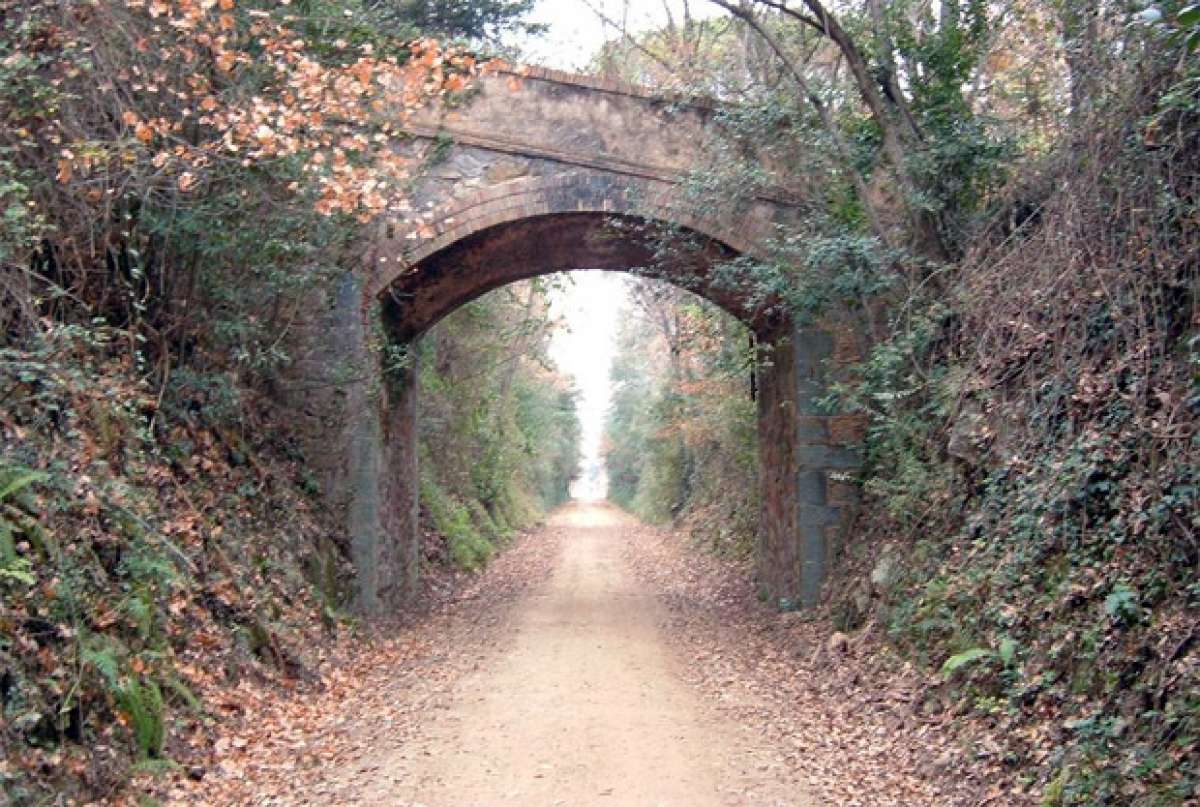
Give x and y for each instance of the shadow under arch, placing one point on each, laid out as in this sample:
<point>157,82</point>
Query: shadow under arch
<point>588,221</point>
<point>413,247</point>
<point>564,242</point>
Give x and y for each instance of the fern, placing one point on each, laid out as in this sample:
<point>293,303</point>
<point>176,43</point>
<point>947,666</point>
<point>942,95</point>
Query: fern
<point>8,547</point>
<point>18,479</point>
<point>103,654</point>
<point>142,703</point>
<point>17,569</point>
<point>15,519</point>
<point>963,659</point>
<point>183,693</point>
<point>141,612</point>
<point>148,567</point>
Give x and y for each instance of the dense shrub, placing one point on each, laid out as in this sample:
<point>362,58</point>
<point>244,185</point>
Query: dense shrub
<point>680,437</point>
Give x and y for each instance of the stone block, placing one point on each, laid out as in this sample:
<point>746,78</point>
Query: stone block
<point>815,515</point>
<point>506,170</point>
<point>813,347</point>
<point>811,487</point>
<point>847,430</point>
<point>812,429</point>
<point>841,493</point>
<point>812,564</point>
<point>809,392</point>
<point>820,456</point>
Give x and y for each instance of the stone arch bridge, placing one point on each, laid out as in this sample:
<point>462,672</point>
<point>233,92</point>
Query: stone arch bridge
<point>539,172</point>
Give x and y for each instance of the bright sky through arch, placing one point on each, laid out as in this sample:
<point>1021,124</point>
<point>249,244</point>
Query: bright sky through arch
<point>588,308</point>
<point>583,346</point>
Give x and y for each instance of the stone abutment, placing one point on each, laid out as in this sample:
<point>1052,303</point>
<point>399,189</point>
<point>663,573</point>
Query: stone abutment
<point>547,173</point>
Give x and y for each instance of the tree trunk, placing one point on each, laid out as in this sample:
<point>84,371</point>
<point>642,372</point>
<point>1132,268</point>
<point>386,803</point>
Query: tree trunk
<point>895,126</point>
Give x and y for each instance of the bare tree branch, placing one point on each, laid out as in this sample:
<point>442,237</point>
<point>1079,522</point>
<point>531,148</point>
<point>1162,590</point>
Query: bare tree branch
<point>822,110</point>
<point>795,14</point>
<point>623,30</point>
<point>894,125</point>
<point>890,80</point>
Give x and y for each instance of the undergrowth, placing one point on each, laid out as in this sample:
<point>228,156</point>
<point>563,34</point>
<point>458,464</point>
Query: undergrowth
<point>146,564</point>
<point>1032,465</point>
<point>680,437</point>
<point>499,432</point>
<point>470,534</point>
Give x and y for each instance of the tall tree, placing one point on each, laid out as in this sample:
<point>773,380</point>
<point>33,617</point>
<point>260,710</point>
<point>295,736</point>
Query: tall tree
<point>880,92</point>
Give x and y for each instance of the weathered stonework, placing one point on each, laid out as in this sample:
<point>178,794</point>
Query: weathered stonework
<point>544,172</point>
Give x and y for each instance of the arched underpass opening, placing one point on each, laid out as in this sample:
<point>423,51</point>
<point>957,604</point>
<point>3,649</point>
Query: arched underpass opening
<point>633,389</point>
<point>675,435</point>
<point>570,231</point>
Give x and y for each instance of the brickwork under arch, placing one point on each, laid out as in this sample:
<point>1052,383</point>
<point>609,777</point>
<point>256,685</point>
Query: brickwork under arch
<point>581,220</point>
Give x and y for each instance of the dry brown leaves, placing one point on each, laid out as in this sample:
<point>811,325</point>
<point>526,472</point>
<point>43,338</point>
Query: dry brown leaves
<point>186,108</point>
<point>843,710</point>
<point>840,709</point>
<point>302,742</point>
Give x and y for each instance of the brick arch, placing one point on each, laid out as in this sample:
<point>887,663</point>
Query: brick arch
<point>541,172</point>
<point>537,225</point>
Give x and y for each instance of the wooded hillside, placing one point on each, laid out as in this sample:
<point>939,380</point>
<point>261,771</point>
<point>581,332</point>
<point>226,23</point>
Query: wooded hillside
<point>181,184</point>
<point>1001,198</point>
<point>1009,209</point>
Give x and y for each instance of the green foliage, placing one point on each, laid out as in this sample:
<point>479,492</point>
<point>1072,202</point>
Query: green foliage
<point>499,431</point>
<point>1007,651</point>
<point>183,693</point>
<point>18,511</point>
<point>13,480</point>
<point>142,704</point>
<point>965,659</point>
<point>1031,439</point>
<point>548,425</point>
<point>1121,605</point>
<point>1045,515</point>
<point>1178,22</point>
<point>483,21</point>
<point>22,224</point>
<point>101,540</point>
<point>137,698</point>
<point>148,318</point>
<point>469,549</point>
<point>963,157</point>
<point>903,437</point>
<point>103,654</point>
<point>681,439</point>
<point>18,570</point>
<point>204,303</point>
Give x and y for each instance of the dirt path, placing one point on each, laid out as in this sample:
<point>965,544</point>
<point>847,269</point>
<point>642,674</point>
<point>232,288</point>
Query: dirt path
<point>584,705</point>
<point>597,661</point>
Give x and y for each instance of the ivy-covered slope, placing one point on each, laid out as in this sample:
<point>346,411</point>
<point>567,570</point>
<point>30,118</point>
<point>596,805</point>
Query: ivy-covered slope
<point>1030,523</point>
<point>181,185</point>
<point>499,431</point>
<point>1007,212</point>
<point>150,560</point>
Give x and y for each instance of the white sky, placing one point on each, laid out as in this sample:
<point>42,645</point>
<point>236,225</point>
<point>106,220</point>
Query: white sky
<point>576,32</point>
<point>583,347</point>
